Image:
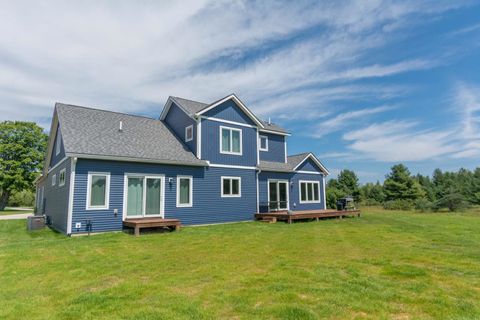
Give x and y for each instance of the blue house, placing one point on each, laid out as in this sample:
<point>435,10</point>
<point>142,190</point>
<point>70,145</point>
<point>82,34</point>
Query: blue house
<point>199,163</point>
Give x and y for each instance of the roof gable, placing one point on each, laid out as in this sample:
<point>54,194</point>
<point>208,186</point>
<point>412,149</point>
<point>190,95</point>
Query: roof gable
<point>230,111</point>
<point>300,161</point>
<point>238,102</point>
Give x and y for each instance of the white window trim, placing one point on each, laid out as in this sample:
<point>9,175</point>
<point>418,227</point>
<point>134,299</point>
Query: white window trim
<point>190,197</point>
<point>145,177</point>
<point>60,182</point>
<point>260,143</point>
<point>54,180</point>
<point>239,195</point>
<point>300,191</point>
<point>231,141</point>
<point>190,127</point>
<point>107,190</point>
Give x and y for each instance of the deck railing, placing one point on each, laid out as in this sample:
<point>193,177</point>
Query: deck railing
<point>272,206</point>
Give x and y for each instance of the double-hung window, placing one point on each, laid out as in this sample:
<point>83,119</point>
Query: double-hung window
<point>189,133</point>
<point>309,192</point>
<point>98,190</point>
<point>231,187</point>
<point>230,140</point>
<point>184,191</point>
<point>263,142</point>
<point>61,178</point>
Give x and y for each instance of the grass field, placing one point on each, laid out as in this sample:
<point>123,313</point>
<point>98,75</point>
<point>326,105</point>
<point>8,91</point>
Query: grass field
<point>10,211</point>
<point>385,265</point>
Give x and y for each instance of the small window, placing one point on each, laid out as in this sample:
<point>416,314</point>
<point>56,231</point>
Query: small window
<point>230,141</point>
<point>189,133</point>
<point>98,190</point>
<point>184,191</point>
<point>231,187</point>
<point>54,179</point>
<point>309,192</point>
<point>61,178</point>
<point>57,144</point>
<point>263,143</point>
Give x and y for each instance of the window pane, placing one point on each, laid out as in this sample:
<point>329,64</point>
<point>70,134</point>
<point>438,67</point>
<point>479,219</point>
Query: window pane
<point>226,186</point>
<point>225,140</point>
<point>235,141</point>
<point>97,195</point>
<point>263,143</point>
<point>135,197</point>
<point>310,192</point>
<point>303,191</point>
<point>315,192</point>
<point>153,196</point>
<point>184,191</point>
<point>235,186</point>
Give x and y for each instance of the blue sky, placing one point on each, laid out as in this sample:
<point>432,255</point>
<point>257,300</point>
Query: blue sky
<point>362,84</point>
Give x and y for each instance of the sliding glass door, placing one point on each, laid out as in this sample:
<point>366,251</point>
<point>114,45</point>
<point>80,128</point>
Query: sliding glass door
<point>277,195</point>
<point>144,197</point>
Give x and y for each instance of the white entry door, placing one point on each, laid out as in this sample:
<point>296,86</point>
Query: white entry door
<point>144,196</point>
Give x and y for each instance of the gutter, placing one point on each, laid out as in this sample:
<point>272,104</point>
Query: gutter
<point>132,159</point>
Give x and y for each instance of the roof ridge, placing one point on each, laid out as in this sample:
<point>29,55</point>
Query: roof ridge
<point>103,110</point>
<point>298,154</point>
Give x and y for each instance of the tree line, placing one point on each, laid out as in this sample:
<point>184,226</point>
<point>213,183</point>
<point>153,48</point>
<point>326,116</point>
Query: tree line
<point>403,191</point>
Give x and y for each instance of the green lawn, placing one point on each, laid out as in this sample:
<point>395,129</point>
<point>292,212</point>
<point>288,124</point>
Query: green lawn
<point>385,265</point>
<point>9,211</point>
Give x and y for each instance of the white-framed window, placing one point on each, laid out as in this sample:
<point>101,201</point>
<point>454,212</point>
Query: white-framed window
<point>98,190</point>
<point>230,140</point>
<point>57,144</point>
<point>263,143</point>
<point>309,191</point>
<point>143,195</point>
<point>184,191</point>
<point>54,180</point>
<point>189,133</point>
<point>61,178</point>
<point>231,187</point>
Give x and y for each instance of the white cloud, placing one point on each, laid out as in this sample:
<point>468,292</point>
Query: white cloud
<point>342,120</point>
<point>129,56</point>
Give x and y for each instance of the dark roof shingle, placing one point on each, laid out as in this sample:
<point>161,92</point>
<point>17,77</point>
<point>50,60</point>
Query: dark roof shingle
<point>94,132</point>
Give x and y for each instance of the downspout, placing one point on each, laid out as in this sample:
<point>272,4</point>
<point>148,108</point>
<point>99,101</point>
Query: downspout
<point>71,196</point>
<point>258,197</point>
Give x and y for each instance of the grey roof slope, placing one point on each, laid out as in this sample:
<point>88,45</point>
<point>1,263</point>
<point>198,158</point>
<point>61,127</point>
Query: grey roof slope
<point>93,132</point>
<point>192,107</point>
<point>292,162</point>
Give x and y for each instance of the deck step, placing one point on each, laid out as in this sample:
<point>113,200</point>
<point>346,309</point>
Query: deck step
<point>269,219</point>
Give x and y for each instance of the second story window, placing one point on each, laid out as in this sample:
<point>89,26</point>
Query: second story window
<point>189,133</point>
<point>230,140</point>
<point>263,143</point>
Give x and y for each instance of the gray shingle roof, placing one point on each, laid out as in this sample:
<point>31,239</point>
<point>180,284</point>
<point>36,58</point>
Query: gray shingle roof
<point>192,107</point>
<point>94,132</point>
<point>292,162</point>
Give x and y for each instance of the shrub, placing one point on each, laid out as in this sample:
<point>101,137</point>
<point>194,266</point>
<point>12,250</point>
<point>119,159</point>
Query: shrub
<point>398,205</point>
<point>451,201</point>
<point>24,198</point>
<point>423,205</point>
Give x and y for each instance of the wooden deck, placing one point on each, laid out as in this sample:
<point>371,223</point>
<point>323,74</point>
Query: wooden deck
<point>141,223</point>
<point>305,215</point>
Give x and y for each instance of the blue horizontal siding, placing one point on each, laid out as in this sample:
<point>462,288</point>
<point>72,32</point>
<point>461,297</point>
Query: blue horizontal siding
<point>276,148</point>
<point>56,197</point>
<point>309,165</point>
<point>208,205</point>
<point>294,188</point>
<point>229,111</point>
<point>54,157</point>
<point>177,120</point>
<point>211,144</point>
